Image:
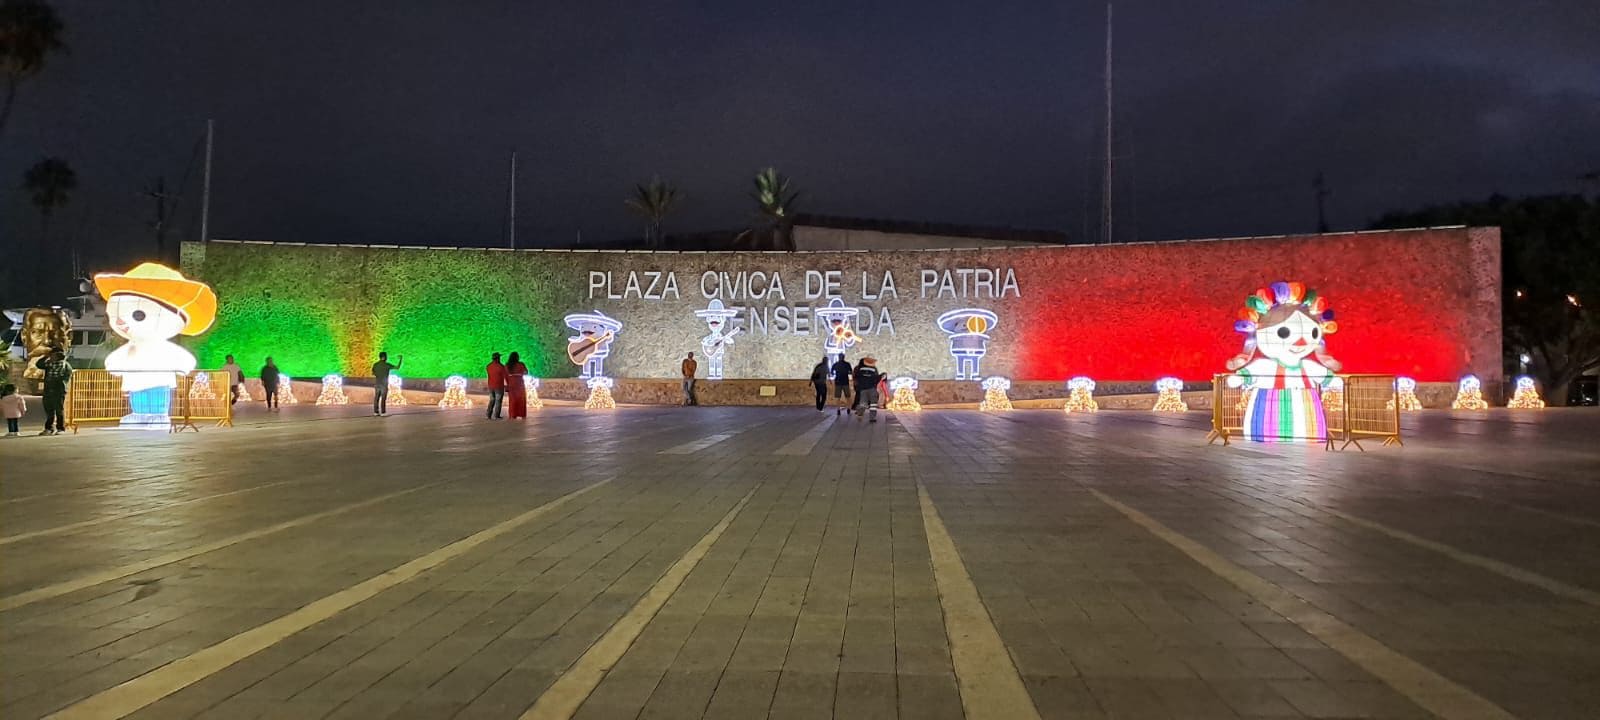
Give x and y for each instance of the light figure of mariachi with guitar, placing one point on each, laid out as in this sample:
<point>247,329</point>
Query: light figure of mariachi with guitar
<point>589,348</point>
<point>715,344</point>
<point>838,335</point>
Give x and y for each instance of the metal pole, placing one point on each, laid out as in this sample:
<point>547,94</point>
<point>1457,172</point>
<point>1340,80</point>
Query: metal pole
<point>1105,200</point>
<point>205,189</point>
<point>511,203</point>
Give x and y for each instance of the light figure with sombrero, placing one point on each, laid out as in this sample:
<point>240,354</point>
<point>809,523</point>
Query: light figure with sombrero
<point>840,335</point>
<point>969,338</point>
<point>589,348</point>
<point>715,344</point>
<point>150,305</point>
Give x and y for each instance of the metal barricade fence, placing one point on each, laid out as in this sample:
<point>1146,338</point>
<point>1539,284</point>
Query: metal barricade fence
<point>1364,411</point>
<point>96,397</point>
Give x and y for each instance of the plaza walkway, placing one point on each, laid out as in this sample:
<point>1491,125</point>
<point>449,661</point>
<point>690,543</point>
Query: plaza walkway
<point>746,563</point>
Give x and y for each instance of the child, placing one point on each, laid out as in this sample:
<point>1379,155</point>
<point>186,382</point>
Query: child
<point>12,406</point>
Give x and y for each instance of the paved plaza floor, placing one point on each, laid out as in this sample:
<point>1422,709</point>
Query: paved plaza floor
<point>747,563</point>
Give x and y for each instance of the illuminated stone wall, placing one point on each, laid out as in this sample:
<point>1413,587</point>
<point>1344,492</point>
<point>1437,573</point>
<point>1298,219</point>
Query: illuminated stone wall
<point>1423,303</point>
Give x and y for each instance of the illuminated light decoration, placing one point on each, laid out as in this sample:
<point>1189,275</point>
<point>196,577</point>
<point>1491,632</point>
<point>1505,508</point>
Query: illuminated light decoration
<point>1405,394</point>
<point>396,396</point>
<point>1169,396</point>
<point>904,395</point>
<point>599,394</point>
<point>1333,395</point>
<point>1469,395</point>
<point>968,329</point>
<point>1284,364</point>
<point>150,305</point>
<point>590,347</point>
<point>332,391</point>
<point>455,394</point>
<point>200,389</point>
<point>530,385</point>
<point>1526,396</point>
<point>994,395</point>
<point>716,343</point>
<point>1081,396</point>
<point>286,391</point>
<point>841,335</point>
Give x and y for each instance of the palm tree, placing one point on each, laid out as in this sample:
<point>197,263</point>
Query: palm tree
<point>49,183</point>
<point>774,210</point>
<point>29,32</point>
<point>653,201</point>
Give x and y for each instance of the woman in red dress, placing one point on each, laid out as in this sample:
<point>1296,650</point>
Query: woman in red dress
<point>516,390</point>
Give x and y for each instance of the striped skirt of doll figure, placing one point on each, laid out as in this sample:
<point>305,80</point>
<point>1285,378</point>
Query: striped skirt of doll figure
<point>1275,414</point>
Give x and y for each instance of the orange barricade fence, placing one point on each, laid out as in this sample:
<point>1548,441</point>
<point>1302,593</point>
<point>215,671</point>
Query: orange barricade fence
<point>1363,410</point>
<point>96,397</point>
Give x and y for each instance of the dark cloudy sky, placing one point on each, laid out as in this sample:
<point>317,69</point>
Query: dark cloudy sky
<point>389,121</point>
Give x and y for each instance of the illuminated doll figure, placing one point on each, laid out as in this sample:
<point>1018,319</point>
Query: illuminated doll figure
<point>1285,363</point>
<point>1333,396</point>
<point>994,395</point>
<point>1469,395</point>
<point>1405,395</point>
<point>396,396</point>
<point>968,329</point>
<point>530,386</point>
<point>1526,396</point>
<point>589,348</point>
<point>1169,396</point>
<point>286,391</point>
<point>455,394</point>
<point>200,388</point>
<point>599,394</point>
<point>839,336</point>
<point>1081,397</point>
<point>332,391</point>
<point>716,343</point>
<point>905,395</point>
<point>149,306</point>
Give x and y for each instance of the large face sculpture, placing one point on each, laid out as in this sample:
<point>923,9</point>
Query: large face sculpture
<point>139,318</point>
<point>1290,340</point>
<point>43,328</point>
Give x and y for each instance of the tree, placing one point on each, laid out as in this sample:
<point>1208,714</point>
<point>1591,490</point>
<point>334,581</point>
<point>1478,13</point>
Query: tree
<point>49,183</point>
<point>653,201</point>
<point>29,32</point>
<point>775,202</point>
<point>1550,278</point>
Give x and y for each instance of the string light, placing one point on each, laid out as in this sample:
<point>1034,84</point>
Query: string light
<point>396,397</point>
<point>530,385</point>
<point>1333,395</point>
<point>599,394</point>
<point>1169,396</point>
<point>1526,396</point>
<point>201,388</point>
<point>994,395</point>
<point>1469,395</point>
<point>332,391</point>
<point>904,395</point>
<point>455,394</point>
<point>1405,395</point>
<point>1081,398</point>
<point>286,391</point>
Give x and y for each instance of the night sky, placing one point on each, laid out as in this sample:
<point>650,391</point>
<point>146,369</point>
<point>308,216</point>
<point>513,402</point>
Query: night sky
<point>390,122</point>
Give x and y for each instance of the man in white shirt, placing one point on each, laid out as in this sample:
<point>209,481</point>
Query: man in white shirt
<point>235,379</point>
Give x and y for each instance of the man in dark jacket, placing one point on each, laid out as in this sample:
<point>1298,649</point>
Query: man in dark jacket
<point>57,373</point>
<point>269,383</point>
<point>866,379</point>
<point>841,383</point>
<point>819,380</point>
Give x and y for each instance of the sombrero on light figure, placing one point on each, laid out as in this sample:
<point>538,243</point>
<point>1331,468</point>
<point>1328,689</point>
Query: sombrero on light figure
<point>191,299</point>
<point>837,309</point>
<point>716,310</point>
<point>598,318</point>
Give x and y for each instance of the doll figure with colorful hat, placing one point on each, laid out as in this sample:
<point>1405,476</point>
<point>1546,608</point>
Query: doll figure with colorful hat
<point>149,305</point>
<point>1285,363</point>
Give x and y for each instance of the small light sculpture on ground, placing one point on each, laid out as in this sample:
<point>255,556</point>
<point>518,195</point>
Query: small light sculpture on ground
<point>200,389</point>
<point>531,385</point>
<point>1526,396</point>
<point>599,394</point>
<point>1081,399</point>
<point>455,394</point>
<point>1469,395</point>
<point>332,391</point>
<point>994,395</point>
<point>1333,395</point>
<point>286,391</point>
<point>905,395</point>
<point>1405,395</point>
<point>1169,396</point>
<point>396,397</point>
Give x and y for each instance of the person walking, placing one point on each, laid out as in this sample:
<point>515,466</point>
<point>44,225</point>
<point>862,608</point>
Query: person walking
<point>235,379</point>
<point>516,388</point>
<point>841,384</point>
<point>12,406</point>
<point>689,366</point>
<point>380,382</point>
<point>866,381</point>
<point>497,387</point>
<point>269,383</point>
<point>819,381</point>
<point>57,373</point>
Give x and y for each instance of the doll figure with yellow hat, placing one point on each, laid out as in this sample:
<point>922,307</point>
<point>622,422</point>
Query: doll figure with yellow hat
<point>149,305</point>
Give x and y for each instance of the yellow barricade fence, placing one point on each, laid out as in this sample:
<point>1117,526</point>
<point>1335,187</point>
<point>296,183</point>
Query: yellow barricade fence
<point>96,397</point>
<point>1364,410</point>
